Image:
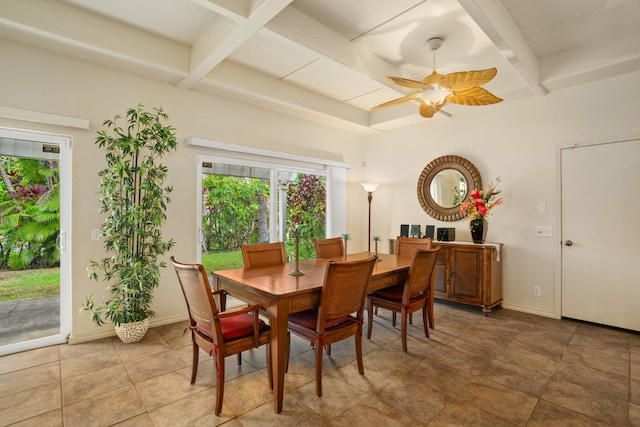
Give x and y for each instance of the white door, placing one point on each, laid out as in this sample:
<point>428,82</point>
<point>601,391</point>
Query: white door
<point>601,233</point>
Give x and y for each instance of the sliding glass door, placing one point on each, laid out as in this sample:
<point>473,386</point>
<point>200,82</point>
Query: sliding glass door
<point>34,252</point>
<point>245,202</point>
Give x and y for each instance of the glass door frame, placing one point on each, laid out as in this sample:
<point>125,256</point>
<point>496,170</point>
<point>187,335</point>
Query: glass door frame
<point>64,142</point>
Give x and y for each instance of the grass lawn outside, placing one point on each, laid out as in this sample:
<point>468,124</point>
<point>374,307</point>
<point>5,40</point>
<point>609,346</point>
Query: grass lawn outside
<point>222,260</point>
<point>22,284</point>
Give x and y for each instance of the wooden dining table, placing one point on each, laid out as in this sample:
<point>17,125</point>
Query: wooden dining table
<point>281,294</point>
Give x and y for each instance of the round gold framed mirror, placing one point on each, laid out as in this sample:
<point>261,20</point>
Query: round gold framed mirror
<point>444,184</point>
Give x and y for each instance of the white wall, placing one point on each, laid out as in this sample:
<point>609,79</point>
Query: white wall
<point>34,80</point>
<point>516,141</point>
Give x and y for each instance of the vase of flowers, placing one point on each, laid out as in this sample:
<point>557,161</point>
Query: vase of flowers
<point>478,209</point>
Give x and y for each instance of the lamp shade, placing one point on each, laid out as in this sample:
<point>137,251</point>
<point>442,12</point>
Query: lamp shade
<point>369,187</point>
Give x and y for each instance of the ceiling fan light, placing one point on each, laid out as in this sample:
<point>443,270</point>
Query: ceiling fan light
<point>435,95</point>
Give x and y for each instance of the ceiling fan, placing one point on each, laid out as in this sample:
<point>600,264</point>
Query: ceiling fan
<point>436,89</point>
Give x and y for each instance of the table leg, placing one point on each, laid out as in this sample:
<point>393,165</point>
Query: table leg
<point>279,313</point>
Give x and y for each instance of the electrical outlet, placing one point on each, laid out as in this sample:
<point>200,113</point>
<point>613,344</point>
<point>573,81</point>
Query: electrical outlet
<point>95,234</point>
<point>537,291</point>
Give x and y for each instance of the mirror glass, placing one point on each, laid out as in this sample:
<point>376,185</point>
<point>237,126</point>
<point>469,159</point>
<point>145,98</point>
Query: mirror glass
<point>448,188</point>
<point>444,184</point>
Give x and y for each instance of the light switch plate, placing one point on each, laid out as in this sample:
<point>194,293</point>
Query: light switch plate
<point>544,231</point>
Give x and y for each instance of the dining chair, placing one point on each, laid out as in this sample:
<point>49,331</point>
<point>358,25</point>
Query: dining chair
<point>220,334</point>
<point>329,248</point>
<point>407,246</point>
<point>412,296</point>
<point>263,254</point>
<point>343,294</point>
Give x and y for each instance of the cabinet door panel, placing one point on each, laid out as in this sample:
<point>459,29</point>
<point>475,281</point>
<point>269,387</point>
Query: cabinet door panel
<point>467,278</point>
<point>441,272</point>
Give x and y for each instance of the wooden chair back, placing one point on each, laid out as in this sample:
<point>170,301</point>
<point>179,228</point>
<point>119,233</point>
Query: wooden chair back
<point>197,293</point>
<point>263,255</point>
<point>344,289</point>
<point>329,248</point>
<point>408,245</point>
<point>419,277</point>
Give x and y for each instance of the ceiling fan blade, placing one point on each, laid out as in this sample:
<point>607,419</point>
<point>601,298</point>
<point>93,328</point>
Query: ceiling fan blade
<point>473,96</point>
<point>467,79</point>
<point>411,84</point>
<point>398,101</point>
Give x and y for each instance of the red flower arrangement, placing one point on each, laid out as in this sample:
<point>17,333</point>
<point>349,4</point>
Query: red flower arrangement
<point>480,204</point>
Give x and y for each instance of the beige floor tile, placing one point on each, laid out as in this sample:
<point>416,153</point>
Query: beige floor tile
<point>508,368</point>
<point>187,411</point>
<point>588,401</point>
<point>88,363</point>
<point>28,359</point>
<point>93,384</point>
<point>49,419</point>
<point>337,397</point>
<point>592,378</point>
<point>105,409</point>
<point>402,394</point>
<point>547,414</point>
<point>505,402</point>
<point>372,411</point>
<point>29,378</point>
<point>294,413</point>
<point>455,414</point>
<point>29,403</point>
<point>164,389</point>
<point>155,364</point>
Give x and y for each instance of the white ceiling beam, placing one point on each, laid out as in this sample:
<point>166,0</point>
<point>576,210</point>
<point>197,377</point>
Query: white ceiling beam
<point>224,37</point>
<point>243,84</point>
<point>496,23</point>
<point>56,27</point>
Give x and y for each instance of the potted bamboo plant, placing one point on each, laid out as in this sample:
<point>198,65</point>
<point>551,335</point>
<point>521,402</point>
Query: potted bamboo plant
<point>134,197</point>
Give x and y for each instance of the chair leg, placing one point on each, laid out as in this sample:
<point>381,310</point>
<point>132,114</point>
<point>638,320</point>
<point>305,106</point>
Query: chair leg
<point>404,315</point>
<point>369,317</point>
<point>286,355</point>
<point>393,319</point>
<point>358,338</point>
<point>432,322</point>
<point>425,322</point>
<point>270,366</point>
<point>411,318</point>
<point>194,368</point>
<point>220,383</point>
<point>329,350</point>
<point>319,346</point>
<point>239,357</point>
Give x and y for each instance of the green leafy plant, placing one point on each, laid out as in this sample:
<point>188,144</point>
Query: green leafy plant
<point>135,199</point>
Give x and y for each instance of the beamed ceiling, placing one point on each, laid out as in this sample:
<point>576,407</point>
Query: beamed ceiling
<point>327,61</point>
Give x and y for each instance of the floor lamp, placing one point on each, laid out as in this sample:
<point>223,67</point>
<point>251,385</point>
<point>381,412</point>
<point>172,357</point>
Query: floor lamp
<point>369,188</point>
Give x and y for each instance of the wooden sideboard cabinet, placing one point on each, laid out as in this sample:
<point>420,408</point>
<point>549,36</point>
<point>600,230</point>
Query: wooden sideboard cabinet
<point>469,273</point>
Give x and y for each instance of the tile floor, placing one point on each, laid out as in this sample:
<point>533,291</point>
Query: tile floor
<point>507,369</point>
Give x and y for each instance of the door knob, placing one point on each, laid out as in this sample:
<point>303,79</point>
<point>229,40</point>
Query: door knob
<point>568,243</point>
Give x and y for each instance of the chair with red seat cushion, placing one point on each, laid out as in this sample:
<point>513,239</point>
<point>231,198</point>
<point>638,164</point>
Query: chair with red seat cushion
<point>343,293</point>
<point>220,334</point>
<point>412,296</point>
